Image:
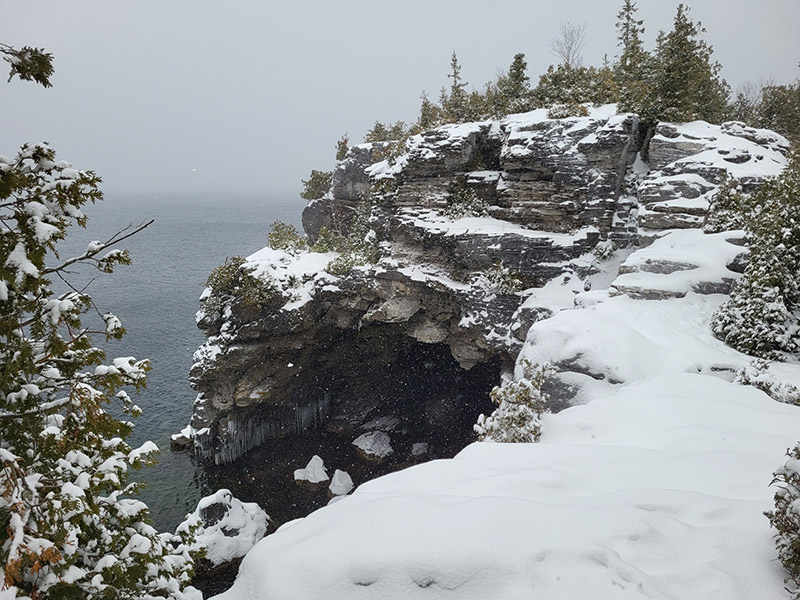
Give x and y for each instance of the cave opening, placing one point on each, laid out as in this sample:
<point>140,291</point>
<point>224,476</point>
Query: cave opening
<point>373,379</point>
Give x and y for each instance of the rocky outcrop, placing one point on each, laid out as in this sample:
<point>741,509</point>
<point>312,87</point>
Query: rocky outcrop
<point>465,224</point>
<point>688,162</point>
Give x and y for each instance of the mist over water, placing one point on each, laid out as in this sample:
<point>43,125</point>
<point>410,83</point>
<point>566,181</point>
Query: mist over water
<point>157,297</point>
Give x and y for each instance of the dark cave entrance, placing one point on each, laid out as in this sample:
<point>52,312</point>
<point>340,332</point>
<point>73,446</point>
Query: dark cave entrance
<point>374,379</point>
<point>381,372</point>
<point>358,379</point>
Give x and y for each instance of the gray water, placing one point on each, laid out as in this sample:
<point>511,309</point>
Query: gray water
<point>157,297</point>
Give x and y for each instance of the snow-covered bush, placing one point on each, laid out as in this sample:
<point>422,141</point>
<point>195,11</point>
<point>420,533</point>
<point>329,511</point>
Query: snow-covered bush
<point>786,518</point>
<point>604,250</point>
<point>283,236</point>
<point>757,374</point>
<point>762,316</point>
<point>327,241</point>
<point>567,109</point>
<point>728,208</point>
<point>464,202</point>
<point>520,405</point>
<point>70,525</point>
<point>499,279</point>
<point>224,527</point>
<point>234,281</point>
<point>359,247</point>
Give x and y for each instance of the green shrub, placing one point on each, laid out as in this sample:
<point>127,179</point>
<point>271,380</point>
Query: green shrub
<point>317,185</point>
<point>564,110</point>
<point>786,519</point>
<point>728,208</point>
<point>328,241</point>
<point>761,316</point>
<point>520,405</point>
<point>464,202</point>
<point>342,146</point>
<point>359,247</point>
<point>283,236</point>
<point>234,281</point>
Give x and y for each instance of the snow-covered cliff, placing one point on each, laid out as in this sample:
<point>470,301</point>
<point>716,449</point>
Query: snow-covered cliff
<point>652,480</point>
<point>451,289</point>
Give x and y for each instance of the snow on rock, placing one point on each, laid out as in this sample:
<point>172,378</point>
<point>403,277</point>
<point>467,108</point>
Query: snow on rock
<point>228,527</point>
<point>374,446</point>
<point>314,472</point>
<point>679,262</point>
<point>688,162</point>
<point>341,484</point>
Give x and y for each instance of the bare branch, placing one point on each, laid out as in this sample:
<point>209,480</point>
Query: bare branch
<point>91,254</point>
<point>567,47</point>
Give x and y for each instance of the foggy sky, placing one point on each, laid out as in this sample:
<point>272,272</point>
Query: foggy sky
<point>235,96</point>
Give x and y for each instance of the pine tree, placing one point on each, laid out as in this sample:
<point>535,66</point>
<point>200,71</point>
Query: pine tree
<point>514,87</point>
<point>779,109</point>
<point>69,526</point>
<point>632,68</point>
<point>686,84</point>
<point>342,146</point>
<point>430,115</point>
<point>317,184</point>
<point>762,316</point>
<point>454,103</point>
<point>728,208</point>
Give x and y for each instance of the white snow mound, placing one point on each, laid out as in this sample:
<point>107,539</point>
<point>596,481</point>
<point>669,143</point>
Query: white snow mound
<point>229,528</point>
<point>314,472</point>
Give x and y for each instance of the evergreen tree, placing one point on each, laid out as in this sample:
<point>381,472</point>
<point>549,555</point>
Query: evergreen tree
<point>430,115</point>
<point>728,208</point>
<point>779,110</point>
<point>567,86</point>
<point>686,84</point>
<point>455,102</point>
<point>514,87</point>
<point>762,316</point>
<point>69,527</point>
<point>387,133</point>
<point>317,184</point>
<point>342,146</point>
<point>632,68</point>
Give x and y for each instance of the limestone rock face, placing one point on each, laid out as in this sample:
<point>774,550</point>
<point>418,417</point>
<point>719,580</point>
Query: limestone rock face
<point>466,224</point>
<point>688,162</point>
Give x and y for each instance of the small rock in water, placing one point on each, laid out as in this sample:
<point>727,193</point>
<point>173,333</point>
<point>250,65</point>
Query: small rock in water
<point>420,448</point>
<point>313,473</point>
<point>181,441</point>
<point>341,484</point>
<point>373,446</point>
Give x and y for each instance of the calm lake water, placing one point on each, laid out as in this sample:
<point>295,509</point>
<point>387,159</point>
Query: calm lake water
<point>157,297</point>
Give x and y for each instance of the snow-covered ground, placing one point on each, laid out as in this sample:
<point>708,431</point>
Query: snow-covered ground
<point>654,488</point>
